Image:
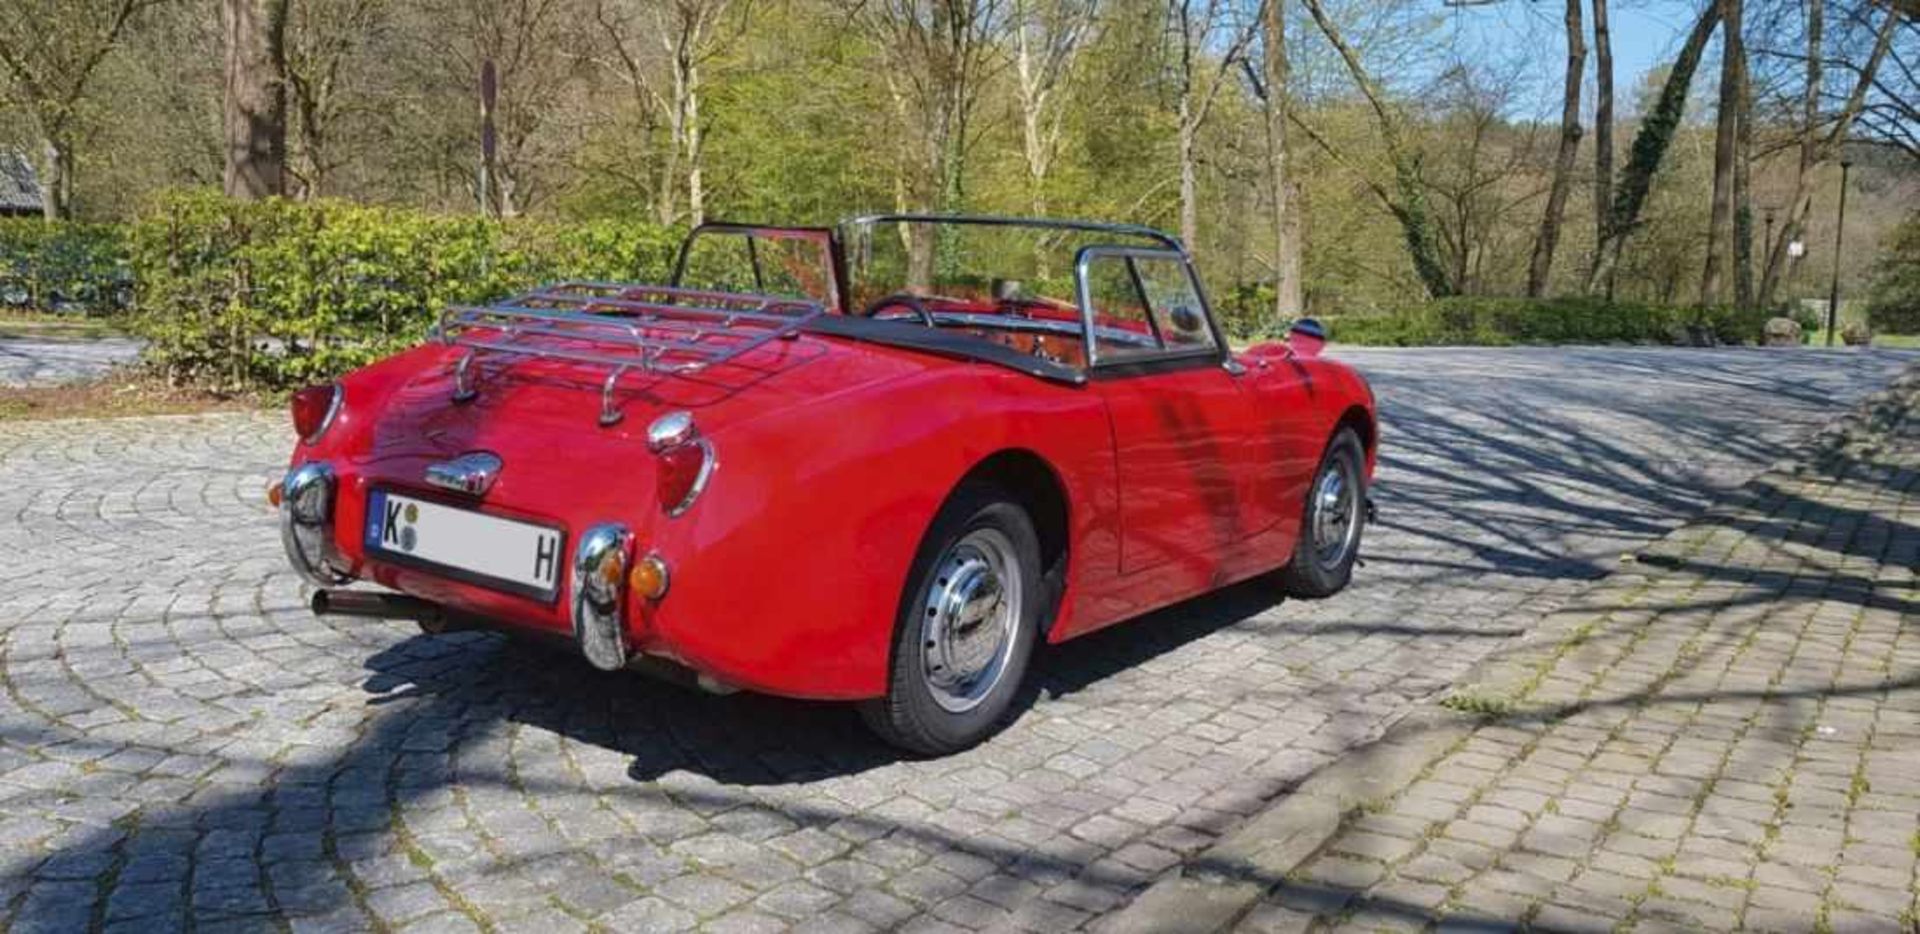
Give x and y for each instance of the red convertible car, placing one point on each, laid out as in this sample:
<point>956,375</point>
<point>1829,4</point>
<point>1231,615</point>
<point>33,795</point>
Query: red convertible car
<point>877,462</point>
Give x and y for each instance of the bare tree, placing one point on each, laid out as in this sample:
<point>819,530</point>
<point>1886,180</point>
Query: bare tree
<point>1649,148</point>
<point>1209,37</point>
<point>1479,171</point>
<point>1725,152</point>
<point>1405,199</point>
<point>661,49</point>
<point>322,39</point>
<point>449,42</point>
<point>937,58</point>
<point>1820,133</point>
<point>1541,266</point>
<point>1278,101</point>
<point>1048,36</point>
<point>1891,114</point>
<point>50,50</point>
<point>1602,118</point>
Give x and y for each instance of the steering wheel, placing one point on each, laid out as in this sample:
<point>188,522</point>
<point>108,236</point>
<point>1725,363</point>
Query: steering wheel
<point>910,302</point>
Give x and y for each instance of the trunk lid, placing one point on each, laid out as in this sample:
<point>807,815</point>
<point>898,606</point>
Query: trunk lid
<point>541,417</point>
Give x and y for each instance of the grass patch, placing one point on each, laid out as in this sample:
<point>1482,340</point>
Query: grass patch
<point>29,325</point>
<point>1818,338</point>
<point>120,394</point>
<point>1484,705</point>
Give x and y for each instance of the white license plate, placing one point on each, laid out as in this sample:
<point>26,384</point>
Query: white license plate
<point>519,557</point>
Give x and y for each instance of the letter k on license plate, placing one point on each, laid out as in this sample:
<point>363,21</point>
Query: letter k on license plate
<point>505,554</point>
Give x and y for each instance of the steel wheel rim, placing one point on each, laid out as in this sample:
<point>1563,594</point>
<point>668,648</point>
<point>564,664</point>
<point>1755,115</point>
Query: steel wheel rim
<point>1336,513</point>
<point>970,614</point>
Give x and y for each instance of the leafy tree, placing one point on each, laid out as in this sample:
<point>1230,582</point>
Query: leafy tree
<point>50,51</point>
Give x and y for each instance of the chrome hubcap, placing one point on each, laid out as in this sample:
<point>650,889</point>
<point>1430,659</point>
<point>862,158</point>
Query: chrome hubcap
<point>1336,513</point>
<point>969,616</point>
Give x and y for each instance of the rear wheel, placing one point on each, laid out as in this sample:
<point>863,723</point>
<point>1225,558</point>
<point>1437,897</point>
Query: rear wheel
<point>1332,521</point>
<point>966,626</point>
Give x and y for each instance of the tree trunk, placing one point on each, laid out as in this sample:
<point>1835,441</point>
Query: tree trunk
<point>1809,150</point>
<point>1650,147</point>
<point>1725,150</point>
<point>1742,182</point>
<point>696,189</point>
<point>1602,120</point>
<point>1816,148</point>
<point>1189,174</point>
<point>1541,266</point>
<point>676,134</point>
<point>56,180</point>
<point>255,112</point>
<point>1274,67</point>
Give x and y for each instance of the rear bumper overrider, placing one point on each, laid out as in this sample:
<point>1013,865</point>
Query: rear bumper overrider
<point>307,497</point>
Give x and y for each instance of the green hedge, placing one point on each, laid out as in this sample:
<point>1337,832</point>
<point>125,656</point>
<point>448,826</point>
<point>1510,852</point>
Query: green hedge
<point>66,268</point>
<point>1503,321</point>
<point>277,293</point>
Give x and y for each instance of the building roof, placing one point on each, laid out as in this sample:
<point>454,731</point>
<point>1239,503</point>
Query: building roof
<point>19,184</point>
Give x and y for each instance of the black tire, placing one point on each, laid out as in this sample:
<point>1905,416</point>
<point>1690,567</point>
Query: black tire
<point>916,714</point>
<point>1314,572</point>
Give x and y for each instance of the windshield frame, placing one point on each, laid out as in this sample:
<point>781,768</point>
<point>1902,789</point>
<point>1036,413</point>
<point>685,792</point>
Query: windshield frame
<point>827,237</point>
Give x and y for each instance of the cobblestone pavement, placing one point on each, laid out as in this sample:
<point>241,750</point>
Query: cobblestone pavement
<point>42,362</point>
<point>182,744</point>
<point>1726,737</point>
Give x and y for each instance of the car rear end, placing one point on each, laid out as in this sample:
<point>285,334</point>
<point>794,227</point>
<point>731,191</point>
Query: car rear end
<point>517,472</point>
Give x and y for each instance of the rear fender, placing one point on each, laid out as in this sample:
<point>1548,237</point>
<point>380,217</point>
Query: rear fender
<point>788,574</point>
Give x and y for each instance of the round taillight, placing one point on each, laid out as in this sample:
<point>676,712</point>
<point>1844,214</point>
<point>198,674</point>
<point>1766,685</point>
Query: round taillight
<point>682,473</point>
<point>313,410</point>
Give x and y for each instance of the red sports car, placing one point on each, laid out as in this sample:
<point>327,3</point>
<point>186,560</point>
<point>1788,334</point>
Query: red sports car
<point>877,462</point>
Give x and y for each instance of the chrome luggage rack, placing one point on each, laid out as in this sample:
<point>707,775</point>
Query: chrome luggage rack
<point>623,326</point>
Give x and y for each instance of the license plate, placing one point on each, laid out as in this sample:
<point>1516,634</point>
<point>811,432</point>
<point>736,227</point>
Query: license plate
<point>506,554</point>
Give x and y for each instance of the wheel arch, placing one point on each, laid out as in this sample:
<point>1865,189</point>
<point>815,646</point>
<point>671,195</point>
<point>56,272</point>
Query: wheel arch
<point>1036,485</point>
<point>1361,421</point>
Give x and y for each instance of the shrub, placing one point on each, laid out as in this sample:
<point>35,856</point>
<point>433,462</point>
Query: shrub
<point>278,293</point>
<point>1893,303</point>
<point>63,267</point>
<point>1473,320</point>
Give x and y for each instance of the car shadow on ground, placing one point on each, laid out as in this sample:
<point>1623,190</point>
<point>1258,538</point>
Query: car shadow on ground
<point>1462,496</point>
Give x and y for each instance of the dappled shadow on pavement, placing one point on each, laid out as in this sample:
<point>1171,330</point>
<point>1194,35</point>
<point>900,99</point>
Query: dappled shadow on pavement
<point>272,766</point>
<point>1726,736</point>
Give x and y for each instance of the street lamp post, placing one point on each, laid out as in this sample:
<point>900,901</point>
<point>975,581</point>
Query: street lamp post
<point>1839,237</point>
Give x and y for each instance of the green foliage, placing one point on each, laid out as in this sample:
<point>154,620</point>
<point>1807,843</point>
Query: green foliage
<point>1893,305</point>
<point>1501,321</point>
<point>63,267</point>
<point>278,293</point>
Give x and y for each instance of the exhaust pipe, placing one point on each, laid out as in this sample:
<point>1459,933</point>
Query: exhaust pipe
<point>367,604</point>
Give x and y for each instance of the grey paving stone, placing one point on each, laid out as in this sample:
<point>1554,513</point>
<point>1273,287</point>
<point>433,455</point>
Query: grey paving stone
<point>260,744</point>
<point>1719,781</point>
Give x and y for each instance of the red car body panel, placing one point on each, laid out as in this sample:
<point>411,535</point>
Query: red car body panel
<point>833,457</point>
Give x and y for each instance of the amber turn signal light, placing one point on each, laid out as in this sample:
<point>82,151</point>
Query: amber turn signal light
<point>276,490</point>
<point>649,577</point>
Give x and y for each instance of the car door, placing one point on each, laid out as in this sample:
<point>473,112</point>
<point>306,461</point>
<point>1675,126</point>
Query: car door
<point>1185,430</point>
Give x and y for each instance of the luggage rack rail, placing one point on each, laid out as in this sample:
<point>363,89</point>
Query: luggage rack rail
<point>622,326</point>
